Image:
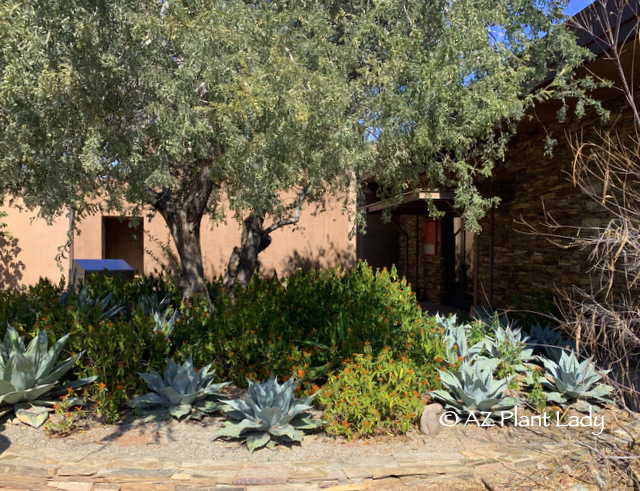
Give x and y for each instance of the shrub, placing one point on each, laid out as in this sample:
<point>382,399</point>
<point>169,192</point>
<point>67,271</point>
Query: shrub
<point>372,394</point>
<point>305,325</point>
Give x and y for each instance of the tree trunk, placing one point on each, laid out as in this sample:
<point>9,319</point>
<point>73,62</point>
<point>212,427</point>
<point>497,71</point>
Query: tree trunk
<point>255,239</point>
<point>187,241</point>
<point>244,259</point>
<point>183,220</point>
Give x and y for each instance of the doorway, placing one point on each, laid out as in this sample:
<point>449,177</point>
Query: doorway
<point>120,241</point>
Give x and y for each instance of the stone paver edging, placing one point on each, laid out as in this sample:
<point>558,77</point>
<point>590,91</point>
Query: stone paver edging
<point>24,468</point>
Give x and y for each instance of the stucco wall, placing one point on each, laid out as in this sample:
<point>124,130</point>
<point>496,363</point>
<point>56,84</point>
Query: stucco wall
<point>32,252</point>
<point>320,239</point>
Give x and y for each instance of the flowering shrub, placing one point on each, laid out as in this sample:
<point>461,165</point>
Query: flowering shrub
<point>373,394</point>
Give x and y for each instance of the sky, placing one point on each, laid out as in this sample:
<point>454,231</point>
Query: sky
<point>576,6</point>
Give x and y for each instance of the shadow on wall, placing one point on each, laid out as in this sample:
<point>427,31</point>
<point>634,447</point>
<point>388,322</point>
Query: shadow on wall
<point>10,267</point>
<point>167,262</point>
<point>308,260</point>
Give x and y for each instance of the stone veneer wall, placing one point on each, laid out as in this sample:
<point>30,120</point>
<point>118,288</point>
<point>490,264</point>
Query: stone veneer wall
<point>526,263</point>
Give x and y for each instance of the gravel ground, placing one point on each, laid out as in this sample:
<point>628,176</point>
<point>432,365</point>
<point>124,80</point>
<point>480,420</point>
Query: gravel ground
<point>193,440</point>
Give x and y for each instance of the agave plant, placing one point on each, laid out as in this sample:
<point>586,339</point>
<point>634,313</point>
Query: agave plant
<point>269,415</point>
<point>181,391</point>
<point>571,380</point>
<point>549,342</point>
<point>86,303</point>
<point>508,345</point>
<point>28,374</point>
<point>473,391</point>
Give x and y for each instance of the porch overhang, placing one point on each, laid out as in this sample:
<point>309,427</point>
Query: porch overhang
<point>413,202</point>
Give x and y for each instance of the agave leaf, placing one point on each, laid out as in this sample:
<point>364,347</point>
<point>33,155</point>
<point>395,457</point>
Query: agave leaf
<point>190,398</point>
<point>555,397</point>
<point>298,409</point>
<point>26,395</point>
<point>181,382</point>
<point>149,399</point>
<point>20,372</point>
<point>171,395</point>
<point>270,415</point>
<point>170,372</point>
<point>240,406</point>
<point>13,343</point>
<point>207,406</point>
<point>38,348</point>
<point>282,430</point>
<point>287,431</point>
<point>60,369</point>
<point>6,387</point>
<point>254,408</point>
<point>307,423</point>
<point>600,391</point>
<point>153,380</point>
<point>31,415</point>
<point>230,430</point>
<point>180,411</point>
<point>232,413</point>
<point>214,389</point>
<point>448,378</point>
<point>50,358</point>
<point>252,424</point>
<point>73,384</point>
<point>257,440</point>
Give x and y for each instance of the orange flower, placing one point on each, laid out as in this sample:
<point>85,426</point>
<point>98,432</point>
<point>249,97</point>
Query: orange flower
<point>102,385</point>
<point>300,373</point>
<point>119,386</point>
<point>70,390</point>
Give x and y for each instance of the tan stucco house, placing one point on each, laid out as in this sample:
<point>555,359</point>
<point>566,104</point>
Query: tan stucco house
<point>320,239</point>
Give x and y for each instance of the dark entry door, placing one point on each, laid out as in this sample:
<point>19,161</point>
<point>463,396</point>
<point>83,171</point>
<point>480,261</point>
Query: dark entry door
<point>454,255</point>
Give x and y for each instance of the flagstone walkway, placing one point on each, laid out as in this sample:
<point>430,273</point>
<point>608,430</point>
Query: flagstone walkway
<point>487,466</point>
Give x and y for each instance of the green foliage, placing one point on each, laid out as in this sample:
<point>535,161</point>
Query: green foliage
<point>28,374</point>
<point>575,383</point>
<point>536,397</point>
<point>307,324</point>
<point>473,390</point>
<point>508,345</point>
<point>182,391</point>
<point>535,308</point>
<point>269,415</point>
<point>373,394</point>
<point>85,304</point>
<point>66,414</point>
<point>549,341</point>
<point>258,99</point>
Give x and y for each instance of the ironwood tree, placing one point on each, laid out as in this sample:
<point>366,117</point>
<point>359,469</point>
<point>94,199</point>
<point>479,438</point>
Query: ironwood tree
<point>204,107</point>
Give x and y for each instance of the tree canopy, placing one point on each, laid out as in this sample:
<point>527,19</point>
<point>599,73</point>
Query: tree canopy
<point>186,105</point>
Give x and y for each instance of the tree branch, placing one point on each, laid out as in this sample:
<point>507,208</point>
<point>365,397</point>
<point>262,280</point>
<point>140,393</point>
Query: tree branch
<point>296,213</point>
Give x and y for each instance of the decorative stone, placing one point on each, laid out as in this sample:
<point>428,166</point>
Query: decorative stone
<point>262,475</point>
<point>430,420</point>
